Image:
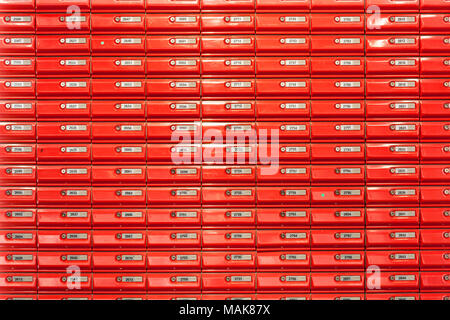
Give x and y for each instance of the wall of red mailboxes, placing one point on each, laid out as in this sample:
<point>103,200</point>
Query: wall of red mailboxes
<point>345,103</point>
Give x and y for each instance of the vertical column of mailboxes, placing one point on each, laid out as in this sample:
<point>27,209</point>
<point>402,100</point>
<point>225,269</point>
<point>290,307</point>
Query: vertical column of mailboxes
<point>17,151</point>
<point>337,150</point>
<point>229,150</point>
<point>63,133</point>
<point>119,171</point>
<point>283,171</point>
<point>174,150</point>
<point>435,120</point>
<point>392,150</point>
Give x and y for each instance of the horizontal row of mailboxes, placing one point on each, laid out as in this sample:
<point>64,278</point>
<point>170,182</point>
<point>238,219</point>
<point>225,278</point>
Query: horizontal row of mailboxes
<point>267,281</point>
<point>224,23</point>
<point>216,239</point>
<point>138,175</point>
<point>120,218</point>
<point>232,196</point>
<point>222,153</point>
<point>160,67</point>
<point>234,296</point>
<point>233,110</point>
<point>205,5</point>
<point>326,45</point>
<point>157,261</point>
<point>224,131</point>
<point>125,239</point>
<point>128,88</point>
